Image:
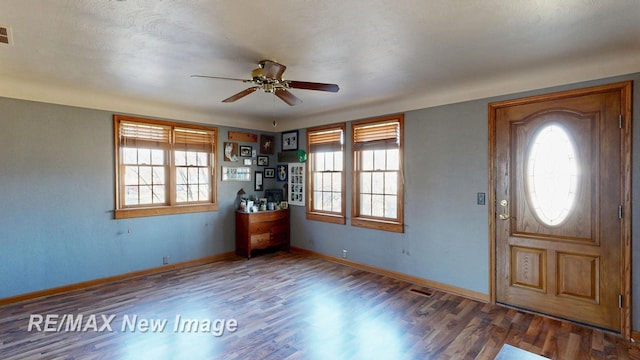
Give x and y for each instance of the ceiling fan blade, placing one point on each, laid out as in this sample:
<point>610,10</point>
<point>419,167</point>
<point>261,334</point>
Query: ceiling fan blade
<point>287,97</point>
<point>218,77</point>
<point>272,69</point>
<point>241,94</point>
<point>312,86</point>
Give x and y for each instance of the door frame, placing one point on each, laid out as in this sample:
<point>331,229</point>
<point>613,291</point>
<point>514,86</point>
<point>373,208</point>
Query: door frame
<point>625,89</point>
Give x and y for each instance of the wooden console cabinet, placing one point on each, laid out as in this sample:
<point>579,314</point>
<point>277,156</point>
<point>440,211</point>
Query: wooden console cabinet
<point>261,230</point>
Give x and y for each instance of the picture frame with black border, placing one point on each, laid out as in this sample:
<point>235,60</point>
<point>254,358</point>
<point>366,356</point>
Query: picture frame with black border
<point>290,140</point>
<point>245,150</point>
<point>263,161</point>
<point>258,184</point>
<point>269,172</point>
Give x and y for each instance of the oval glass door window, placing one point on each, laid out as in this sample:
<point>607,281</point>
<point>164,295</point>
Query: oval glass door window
<point>552,174</point>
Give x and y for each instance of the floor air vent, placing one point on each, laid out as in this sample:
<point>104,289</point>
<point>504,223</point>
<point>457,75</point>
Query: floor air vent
<point>424,292</point>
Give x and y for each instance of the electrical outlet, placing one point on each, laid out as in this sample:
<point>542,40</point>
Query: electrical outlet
<point>344,253</point>
<point>165,260</point>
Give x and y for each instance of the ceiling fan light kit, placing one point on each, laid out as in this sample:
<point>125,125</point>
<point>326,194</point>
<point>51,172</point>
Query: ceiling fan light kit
<point>268,77</point>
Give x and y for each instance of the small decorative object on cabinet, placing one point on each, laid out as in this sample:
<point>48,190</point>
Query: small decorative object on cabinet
<point>261,230</point>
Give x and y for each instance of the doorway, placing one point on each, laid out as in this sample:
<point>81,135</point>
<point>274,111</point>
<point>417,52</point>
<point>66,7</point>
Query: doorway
<point>560,205</point>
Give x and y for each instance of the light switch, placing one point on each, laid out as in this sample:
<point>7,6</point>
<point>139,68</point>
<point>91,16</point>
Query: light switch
<point>481,198</point>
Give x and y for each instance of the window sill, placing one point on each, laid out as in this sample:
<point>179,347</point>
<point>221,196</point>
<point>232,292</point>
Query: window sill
<point>163,210</point>
<point>378,224</point>
<point>330,218</point>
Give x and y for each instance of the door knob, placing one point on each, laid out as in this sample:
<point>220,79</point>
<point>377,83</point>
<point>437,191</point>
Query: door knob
<point>505,214</point>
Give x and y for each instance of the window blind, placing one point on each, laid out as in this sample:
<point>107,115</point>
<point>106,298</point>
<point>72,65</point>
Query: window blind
<point>326,140</point>
<point>193,140</point>
<point>142,135</point>
<point>376,136</point>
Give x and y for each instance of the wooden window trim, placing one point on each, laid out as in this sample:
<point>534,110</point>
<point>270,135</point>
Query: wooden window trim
<point>122,212</point>
<point>325,216</point>
<point>370,222</point>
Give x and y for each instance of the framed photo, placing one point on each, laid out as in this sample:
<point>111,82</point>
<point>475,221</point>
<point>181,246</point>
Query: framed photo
<point>296,184</point>
<point>258,183</point>
<point>290,140</point>
<point>245,151</point>
<point>284,205</point>
<point>263,161</point>
<point>282,171</point>
<point>232,173</point>
<point>266,144</point>
<point>269,173</point>
<point>248,162</point>
<point>230,151</point>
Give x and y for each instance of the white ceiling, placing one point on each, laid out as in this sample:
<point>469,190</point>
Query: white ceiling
<point>136,56</point>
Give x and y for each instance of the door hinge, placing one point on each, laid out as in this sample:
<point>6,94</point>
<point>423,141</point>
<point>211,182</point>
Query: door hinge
<point>619,211</point>
<point>620,301</point>
<point>620,121</point>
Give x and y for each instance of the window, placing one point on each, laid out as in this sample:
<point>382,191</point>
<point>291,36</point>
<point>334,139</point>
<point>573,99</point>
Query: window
<point>378,176</point>
<point>163,167</point>
<point>326,174</point>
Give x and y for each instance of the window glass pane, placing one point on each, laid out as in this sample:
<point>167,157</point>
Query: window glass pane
<point>365,204</point>
<point>130,156</point>
<point>192,193</point>
<point>391,183</point>
<point>203,175</point>
<point>144,156</point>
<point>317,200</point>
<point>192,158</point>
<point>365,186</point>
<point>181,176</point>
<point>131,175</point>
<point>181,193</point>
<point>377,183</point>
<point>145,175</point>
<point>145,195</point>
<point>317,181</point>
<point>131,195</point>
<point>326,182</point>
<point>390,206</point>
<point>336,202</point>
<point>204,192</point>
<point>193,175</point>
<point>337,161</point>
<point>379,159</point>
<point>367,160</point>
<point>393,159</point>
<point>328,161</point>
<point>158,175</point>
<point>202,159</point>
<point>377,205</point>
<point>158,194</point>
<point>181,158</point>
<point>157,157</point>
<point>336,182</point>
<point>326,201</point>
<point>319,164</point>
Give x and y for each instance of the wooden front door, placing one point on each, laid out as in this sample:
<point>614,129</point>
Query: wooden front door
<point>559,170</point>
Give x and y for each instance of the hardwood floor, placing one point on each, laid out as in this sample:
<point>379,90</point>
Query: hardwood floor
<point>287,306</point>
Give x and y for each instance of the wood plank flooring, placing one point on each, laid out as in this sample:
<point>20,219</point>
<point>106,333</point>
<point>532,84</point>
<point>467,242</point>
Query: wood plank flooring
<point>287,306</point>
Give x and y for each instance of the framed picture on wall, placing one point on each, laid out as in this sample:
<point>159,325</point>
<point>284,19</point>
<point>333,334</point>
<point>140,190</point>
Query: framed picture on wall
<point>245,151</point>
<point>266,144</point>
<point>282,172</point>
<point>269,172</point>
<point>290,140</point>
<point>258,184</point>
<point>263,161</point>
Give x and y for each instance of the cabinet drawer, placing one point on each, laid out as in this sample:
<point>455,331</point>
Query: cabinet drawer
<point>260,241</point>
<point>262,227</point>
<point>279,239</point>
<point>268,216</point>
<point>279,227</point>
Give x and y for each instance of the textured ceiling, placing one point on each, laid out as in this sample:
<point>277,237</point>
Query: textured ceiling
<point>387,56</point>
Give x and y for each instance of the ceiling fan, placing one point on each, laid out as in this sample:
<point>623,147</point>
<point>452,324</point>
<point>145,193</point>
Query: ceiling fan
<point>268,77</point>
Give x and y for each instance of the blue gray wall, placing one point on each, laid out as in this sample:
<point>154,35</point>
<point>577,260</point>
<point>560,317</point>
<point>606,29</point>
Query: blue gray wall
<point>57,201</point>
<point>57,190</point>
